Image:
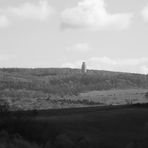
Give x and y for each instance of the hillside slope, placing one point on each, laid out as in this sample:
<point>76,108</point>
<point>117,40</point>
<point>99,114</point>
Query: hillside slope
<point>53,84</point>
<point>68,81</point>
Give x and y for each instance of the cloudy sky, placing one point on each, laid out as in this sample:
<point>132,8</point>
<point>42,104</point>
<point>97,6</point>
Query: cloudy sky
<point>106,34</point>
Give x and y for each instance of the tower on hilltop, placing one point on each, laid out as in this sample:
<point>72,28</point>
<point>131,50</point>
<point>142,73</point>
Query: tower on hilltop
<point>83,68</point>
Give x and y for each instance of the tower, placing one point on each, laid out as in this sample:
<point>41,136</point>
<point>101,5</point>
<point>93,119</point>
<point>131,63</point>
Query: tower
<point>83,68</point>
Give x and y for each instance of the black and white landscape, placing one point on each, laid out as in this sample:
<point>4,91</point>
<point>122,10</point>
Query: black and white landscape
<point>73,74</point>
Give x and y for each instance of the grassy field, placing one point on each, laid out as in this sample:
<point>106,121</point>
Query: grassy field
<point>117,97</point>
<point>92,98</point>
<point>104,127</point>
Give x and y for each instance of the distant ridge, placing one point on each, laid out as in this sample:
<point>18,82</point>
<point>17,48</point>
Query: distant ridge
<point>67,81</point>
<point>61,70</point>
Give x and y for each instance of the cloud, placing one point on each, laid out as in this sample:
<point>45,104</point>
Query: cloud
<point>138,65</point>
<point>4,21</point>
<point>92,14</point>
<point>38,11</point>
<point>80,47</point>
<point>145,13</point>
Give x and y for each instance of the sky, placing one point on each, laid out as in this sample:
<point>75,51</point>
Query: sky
<point>106,34</point>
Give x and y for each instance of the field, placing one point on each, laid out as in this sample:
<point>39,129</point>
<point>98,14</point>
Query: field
<point>92,98</point>
<point>104,127</point>
<point>117,97</point>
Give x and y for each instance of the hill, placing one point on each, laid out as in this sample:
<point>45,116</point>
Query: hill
<point>56,83</point>
<point>68,81</point>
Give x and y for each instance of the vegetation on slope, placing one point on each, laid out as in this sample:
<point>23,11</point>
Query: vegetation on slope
<point>48,83</point>
<point>68,81</point>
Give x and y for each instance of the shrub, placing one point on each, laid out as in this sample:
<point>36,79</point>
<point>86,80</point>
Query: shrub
<point>63,141</point>
<point>48,145</point>
<point>14,141</point>
<point>146,95</point>
<point>145,135</point>
<point>4,137</point>
<point>4,106</point>
<point>84,142</point>
<point>130,145</point>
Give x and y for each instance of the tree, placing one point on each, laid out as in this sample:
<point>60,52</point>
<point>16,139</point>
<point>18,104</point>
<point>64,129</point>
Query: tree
<point>4,106</point>
<point>146,95</point>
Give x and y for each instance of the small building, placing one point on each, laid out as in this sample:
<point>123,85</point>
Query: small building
<point>83,68</point>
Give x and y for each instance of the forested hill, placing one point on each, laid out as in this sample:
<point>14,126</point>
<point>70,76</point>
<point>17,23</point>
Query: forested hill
<point>66,81</point>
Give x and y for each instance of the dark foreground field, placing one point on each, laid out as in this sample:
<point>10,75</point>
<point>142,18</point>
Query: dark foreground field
<point>99,127</point>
